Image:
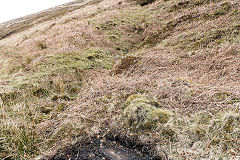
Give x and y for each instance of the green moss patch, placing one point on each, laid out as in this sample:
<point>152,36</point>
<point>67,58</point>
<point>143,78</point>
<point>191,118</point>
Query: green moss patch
<point>142,114</point>
<point>67,65</point>
<point>203,117</point>
<point>68,62</point>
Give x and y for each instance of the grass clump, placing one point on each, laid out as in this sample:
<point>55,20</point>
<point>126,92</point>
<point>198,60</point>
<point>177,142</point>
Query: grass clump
<point>19,139</point>
<point>203,117</point>
<point>142,114</point>
<point>217,35</point>
<point>42,45</point>
<point>10,97</point>
<point>221,130</point>
<point>166,30</point>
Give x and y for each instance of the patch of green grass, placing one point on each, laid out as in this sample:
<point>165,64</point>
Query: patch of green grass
<point>18,137</point>
<point>69,62</point>
<point>216,35</point>
<point>10,97</point>
<point>62,64</point>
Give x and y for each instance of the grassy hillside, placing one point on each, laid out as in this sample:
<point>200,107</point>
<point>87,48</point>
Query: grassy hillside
<point>166,72</point>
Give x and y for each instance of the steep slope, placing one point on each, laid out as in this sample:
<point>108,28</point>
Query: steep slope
<point>164,74</point>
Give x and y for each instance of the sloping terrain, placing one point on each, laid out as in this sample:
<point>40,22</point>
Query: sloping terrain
<point>159,77</point>
<point>17,25</point>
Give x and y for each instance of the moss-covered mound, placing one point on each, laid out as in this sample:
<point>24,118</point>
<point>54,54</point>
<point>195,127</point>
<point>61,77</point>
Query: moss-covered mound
<point>142,113</point>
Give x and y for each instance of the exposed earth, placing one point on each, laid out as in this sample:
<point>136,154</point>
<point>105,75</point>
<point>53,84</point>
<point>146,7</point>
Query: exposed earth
<point>108,148</point>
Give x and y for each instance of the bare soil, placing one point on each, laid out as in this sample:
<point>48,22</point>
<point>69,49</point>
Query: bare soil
<point>109,147</point>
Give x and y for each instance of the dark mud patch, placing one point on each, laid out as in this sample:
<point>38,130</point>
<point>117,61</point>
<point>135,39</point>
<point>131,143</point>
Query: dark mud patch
<point>109,147</point>
<point>146,2</point>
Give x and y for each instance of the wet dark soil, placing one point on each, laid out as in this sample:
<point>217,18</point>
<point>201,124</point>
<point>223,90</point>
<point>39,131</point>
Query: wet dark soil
<point>108,147</point>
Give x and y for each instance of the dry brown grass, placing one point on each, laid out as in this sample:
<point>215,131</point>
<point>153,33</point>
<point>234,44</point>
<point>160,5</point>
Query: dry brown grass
<point>187,57</point>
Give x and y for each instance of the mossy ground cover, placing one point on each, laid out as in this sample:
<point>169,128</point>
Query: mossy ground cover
<point>41,93</point>
<point>205,133</point>
<point>63,63</point>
